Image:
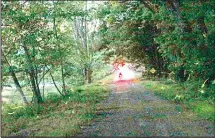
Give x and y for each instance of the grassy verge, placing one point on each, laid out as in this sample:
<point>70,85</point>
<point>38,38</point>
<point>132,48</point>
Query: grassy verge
<point>58,116</point>
<point>185,96</point>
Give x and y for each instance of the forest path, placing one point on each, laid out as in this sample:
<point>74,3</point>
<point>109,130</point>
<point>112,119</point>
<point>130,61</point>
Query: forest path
<point>130,110</point>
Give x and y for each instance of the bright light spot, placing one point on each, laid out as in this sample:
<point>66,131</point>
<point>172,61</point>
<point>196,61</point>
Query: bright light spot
<point>123,73</point>
<point>213,82</point>
<point>202,91</point>
<point>153,70</point>
<point>11,113</point>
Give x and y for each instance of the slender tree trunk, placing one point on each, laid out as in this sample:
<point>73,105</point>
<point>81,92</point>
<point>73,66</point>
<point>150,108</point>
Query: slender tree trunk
<point>43,75</point>
<point>89,76</point>
<point>18,87</point>
<point>32,77</point>
<point>63,79</point>
<point>85,74</point>
<point>55,84</point>
<point>43,81</point>
<point>80,27</point>
<point>36,79</point>
<point>61,58</point>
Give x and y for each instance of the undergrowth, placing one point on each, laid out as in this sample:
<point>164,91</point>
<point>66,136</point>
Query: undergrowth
<point>191,95</point>
<point>58,116</point>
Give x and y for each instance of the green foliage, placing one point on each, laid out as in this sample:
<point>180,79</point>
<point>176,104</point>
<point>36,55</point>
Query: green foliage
<point>176,38</point>
<point>40,35</point>
<point>130,34</point>
<point>171,37</point>
<point>71,111</point>
<point>187,96</point>
<point>188,51</point>
<point>53,97</point>
<point>204,110</point>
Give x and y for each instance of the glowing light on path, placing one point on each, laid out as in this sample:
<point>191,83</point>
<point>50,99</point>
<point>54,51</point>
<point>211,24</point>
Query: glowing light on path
<point>124,76</point>
<point>123,73</point>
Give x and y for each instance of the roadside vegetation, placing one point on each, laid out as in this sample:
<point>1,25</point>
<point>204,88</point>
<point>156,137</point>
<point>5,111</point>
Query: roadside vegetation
<point>189,96</point>
<point>58,116</point>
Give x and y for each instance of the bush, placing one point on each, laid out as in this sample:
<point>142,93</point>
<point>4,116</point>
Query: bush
<point>53,97</point>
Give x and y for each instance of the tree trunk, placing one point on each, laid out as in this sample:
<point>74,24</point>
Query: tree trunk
<point>36,78</point>
<point>80,27</point>
<point>61,58</point>
<point>43,75</point>
<point>32,77</point>
<point>63,79</point>
<point>43,81</point>
<point>18,87</point>
<point>85,74</point>
<point>89,74</point>
<point>55,84</point>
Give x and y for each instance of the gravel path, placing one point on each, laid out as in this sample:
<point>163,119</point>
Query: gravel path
<point>130,110</point>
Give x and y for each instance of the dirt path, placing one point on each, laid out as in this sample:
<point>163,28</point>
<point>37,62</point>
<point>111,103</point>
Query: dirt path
<point>130,110</point>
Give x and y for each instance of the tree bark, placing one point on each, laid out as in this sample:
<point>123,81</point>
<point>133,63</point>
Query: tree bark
<point>32,76</point>
<point>61,59</point>
<point>18,87</point>
<point>80,27</point>
<point>43,81</point>
<point>63,79</point>
<point>55,84</point>
<point>89,74</point>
